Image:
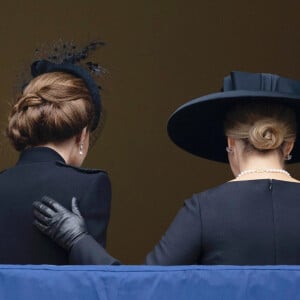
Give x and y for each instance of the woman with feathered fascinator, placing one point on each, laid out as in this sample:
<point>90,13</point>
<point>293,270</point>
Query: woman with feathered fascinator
<point>51,124</point>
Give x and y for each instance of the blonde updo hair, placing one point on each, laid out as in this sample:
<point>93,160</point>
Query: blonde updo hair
<point>262,126</point>
<point>52,108</point>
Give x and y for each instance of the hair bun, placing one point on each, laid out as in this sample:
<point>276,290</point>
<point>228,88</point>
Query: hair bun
<point>54,107</point>
<point>28,100</point>
<point>266,135</point>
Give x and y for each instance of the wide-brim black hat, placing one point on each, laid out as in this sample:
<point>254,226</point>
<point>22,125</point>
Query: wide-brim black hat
<point>198,125</point>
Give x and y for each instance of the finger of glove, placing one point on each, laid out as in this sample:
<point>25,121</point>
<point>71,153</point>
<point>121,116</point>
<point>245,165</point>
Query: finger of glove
<point>43,209</point>
<point>53,204</point>
<point>75,208</point>
<point>41,217</point>
<point>41,227</point>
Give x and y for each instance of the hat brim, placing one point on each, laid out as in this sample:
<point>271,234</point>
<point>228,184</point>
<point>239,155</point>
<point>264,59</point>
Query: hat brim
<point>198,125</point>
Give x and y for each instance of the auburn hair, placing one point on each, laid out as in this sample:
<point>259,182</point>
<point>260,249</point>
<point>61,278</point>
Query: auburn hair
<point>53,107</point>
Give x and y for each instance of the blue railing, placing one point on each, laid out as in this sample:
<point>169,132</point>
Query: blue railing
<point>46,282</point>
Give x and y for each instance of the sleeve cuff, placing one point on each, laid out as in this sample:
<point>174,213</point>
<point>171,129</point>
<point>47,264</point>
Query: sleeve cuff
<point>88,252</point>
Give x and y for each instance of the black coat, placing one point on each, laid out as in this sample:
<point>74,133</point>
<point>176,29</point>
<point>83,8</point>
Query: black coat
<point>254,222</point>
<point>42,171</point>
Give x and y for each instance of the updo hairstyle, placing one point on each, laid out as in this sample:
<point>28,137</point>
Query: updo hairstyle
<point>53,107</point>
<point>262,126</point>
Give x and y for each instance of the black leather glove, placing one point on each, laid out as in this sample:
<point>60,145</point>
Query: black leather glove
<point>61,225</point>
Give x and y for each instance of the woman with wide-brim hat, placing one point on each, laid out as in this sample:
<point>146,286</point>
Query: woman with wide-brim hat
<point>251,220</point>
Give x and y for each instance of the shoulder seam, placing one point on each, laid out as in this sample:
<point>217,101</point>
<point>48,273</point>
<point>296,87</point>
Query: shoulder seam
<point>82,170</point>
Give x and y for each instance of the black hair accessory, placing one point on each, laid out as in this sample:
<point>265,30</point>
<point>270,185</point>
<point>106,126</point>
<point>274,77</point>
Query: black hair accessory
<point>67,61</point>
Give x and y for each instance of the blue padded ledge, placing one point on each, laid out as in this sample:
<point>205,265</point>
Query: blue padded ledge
<point>148,282</point>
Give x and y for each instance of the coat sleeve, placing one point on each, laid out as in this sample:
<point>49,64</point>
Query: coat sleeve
<point>181,244</point>
<point>88,252</point>
<point>95,206</point>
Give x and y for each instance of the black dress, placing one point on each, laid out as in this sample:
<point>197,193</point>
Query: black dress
<point>255,222</point>
<point>42,171</point>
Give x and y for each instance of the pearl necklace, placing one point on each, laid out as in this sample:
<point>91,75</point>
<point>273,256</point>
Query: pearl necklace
<point>263,171</point>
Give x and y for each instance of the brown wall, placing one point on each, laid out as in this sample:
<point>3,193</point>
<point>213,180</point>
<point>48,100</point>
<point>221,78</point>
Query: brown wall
<point>159,54</point>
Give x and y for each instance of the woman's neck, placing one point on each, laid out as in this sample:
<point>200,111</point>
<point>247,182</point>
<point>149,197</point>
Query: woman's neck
<point>262,167</point>
<point>64,149</point>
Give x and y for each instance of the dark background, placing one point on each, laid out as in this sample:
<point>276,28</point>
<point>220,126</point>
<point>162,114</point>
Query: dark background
<point>159,54</point>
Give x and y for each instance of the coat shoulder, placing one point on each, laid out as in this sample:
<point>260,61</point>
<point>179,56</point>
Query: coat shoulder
<point>80,170</point>
<point>3,171</point>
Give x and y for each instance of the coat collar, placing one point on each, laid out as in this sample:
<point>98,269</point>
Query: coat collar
<point>39,154</point>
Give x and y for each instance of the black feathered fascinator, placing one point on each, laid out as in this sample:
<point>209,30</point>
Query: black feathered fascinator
<point>66,57</point>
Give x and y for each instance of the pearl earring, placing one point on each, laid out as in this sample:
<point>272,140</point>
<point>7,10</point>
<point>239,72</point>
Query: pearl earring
<point>81,149</point>
<point>288,157</point>
<point>229,149</point>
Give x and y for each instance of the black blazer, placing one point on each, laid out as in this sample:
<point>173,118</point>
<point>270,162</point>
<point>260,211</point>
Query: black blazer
<point>255,222</point>
<point>42,171</point>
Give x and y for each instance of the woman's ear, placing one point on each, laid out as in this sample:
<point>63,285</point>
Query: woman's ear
<point>230,142</point>
<point>288,147</point>
<point>82,136</point>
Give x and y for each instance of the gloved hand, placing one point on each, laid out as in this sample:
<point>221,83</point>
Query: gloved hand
<point>61,225</point>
